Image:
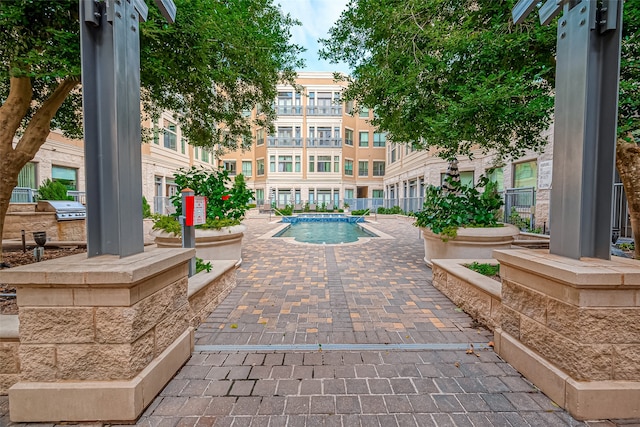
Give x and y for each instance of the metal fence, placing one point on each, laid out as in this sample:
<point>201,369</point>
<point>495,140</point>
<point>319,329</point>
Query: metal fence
<point>23,195</point>
<point>519,205</point>
<point>621,223</point>
<point>78,196</point>
<point>163,206</point>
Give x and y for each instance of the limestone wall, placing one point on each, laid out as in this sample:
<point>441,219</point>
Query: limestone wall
<point>584,320</point>
<point>23,216</point>
<point>9,358</point>
<point>477,295</point>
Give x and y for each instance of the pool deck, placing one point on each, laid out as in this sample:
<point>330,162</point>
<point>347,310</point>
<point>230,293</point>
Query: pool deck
<point>343,335</point>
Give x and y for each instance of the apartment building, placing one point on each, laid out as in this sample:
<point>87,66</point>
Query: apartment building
<point>322,152</point>
<point>525,182</point>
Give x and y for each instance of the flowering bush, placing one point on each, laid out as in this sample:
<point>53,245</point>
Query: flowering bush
<point>227,201</point>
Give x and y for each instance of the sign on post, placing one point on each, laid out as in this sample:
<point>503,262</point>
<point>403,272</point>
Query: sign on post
<point>196,210</point>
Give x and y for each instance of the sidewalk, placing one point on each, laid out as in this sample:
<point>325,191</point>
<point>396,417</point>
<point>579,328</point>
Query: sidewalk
<point>349,335</point>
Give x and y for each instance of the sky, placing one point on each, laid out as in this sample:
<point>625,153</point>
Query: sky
<point>317,16</point>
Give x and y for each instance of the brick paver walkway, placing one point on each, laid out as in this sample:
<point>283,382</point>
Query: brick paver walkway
<point>350,335</point>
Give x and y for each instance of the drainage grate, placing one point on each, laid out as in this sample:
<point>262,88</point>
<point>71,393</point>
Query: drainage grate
<point>337,347</point>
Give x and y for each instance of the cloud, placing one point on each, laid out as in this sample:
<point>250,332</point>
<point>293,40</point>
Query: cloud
<point>316,16</point>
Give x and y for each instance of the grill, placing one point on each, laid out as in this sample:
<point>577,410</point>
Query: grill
<point>66,210</point>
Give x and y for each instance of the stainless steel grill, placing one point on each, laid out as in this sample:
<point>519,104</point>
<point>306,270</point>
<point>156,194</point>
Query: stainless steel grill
<point>67,210</point>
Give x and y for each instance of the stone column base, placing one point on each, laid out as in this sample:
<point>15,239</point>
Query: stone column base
<point>584,400</point>
<point>121,401</point>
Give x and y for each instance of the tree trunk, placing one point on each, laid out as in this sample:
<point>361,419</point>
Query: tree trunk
<point>12,112</point>
<point>628,166</point>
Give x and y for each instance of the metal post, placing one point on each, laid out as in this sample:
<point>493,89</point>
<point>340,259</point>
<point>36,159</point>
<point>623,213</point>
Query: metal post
<point>588,69</point>
<point>586,110</point>
<point>110,46</point>
<point>188,232</point>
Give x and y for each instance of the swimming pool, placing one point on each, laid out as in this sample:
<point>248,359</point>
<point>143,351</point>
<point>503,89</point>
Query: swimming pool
<point>322,229</point>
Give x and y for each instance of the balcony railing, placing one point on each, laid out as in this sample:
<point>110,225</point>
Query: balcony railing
<point>288,110</point>
<point>321,110</point>
<point>273,141</point>
<point>324,142</point>
<point>23,195</point>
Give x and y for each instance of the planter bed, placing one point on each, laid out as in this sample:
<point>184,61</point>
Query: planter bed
<point>477,295</point>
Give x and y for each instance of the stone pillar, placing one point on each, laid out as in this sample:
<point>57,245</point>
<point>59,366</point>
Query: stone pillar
<point>572,327</point>
<point>100,336</point>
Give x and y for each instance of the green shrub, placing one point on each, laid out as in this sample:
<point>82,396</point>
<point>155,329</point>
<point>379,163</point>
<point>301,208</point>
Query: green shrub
<point>484,269</point>
<point>202,266</point>
<point>444,211</point>
<point>360,212</point>
<point>285,211</point>
<point>167,223</point>
<point>225,200</point>
<point>146,209</point>
<point>53,190</point>
<point>396,210</point>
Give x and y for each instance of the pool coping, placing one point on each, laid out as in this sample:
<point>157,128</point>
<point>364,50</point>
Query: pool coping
<point>380,235</point>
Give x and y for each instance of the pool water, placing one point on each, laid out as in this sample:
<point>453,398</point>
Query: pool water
<point>325,232</point>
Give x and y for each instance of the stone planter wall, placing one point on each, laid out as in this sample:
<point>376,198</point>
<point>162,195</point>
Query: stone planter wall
<point>99,337</point>
<point>9,348</point>
<point>208,290</point>
<point>573,328</point>
<point>24,216</point>
<point>478,295</point>
<point>224,244</point>
<point>470,243</point>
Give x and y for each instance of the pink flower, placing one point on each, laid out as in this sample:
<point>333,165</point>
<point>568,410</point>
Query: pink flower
<point>226,197</point>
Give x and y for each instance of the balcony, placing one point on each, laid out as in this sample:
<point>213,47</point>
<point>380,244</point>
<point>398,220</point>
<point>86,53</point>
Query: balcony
<point>288,110</point>
<point>324,142</point>
<point>325,110</point>
<point>273,141</point>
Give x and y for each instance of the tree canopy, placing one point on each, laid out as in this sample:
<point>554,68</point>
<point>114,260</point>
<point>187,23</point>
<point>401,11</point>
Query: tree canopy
<point>217,61</point>
<point>453,74</point>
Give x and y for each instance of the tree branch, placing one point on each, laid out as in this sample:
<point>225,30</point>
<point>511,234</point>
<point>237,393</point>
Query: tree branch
<point>13,111</point>
<point>40,124</point>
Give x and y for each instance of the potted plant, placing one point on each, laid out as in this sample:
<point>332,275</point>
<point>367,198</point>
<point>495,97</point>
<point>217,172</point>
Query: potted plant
<point>221,236</point>
<point>462,222</point>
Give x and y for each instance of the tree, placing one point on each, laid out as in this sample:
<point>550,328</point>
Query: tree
<point>218,60</point>
<point>458,74</point>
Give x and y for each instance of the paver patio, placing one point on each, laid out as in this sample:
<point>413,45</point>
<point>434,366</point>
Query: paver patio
<point>346,335</point>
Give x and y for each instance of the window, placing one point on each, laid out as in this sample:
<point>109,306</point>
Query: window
<point>285,103</point>
<point>170,135</point>
<point>364,139</point>
<point>272,163</point>
<point>496,175</point>
<point>379,139</point>
<point>324,163</point>
<point>348,137</point>
<point>349,107</point>
<point>348,167</point>
<point>364,112</point>
<point>525,174</point>
<point>348,193</point>
<point>393,153</point>
<point>27,176</point>
<point>285,163</point>
<point>183,145</point>
<point>195,152</point>
<point>67,176</point>
<point>260,193</point>
<point>363,168</point>
<point>205,155</point>
<point>378,168</point>
<point>312,163</point>
<point>378,194</point>
<point>260,166</point>
<point>260,137</point>
<point>156,134</point>
<point>298,164</point>
<point>466,178</point>
<point>336,164</point>
<point>229,165</point>
<point>246,168</point>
